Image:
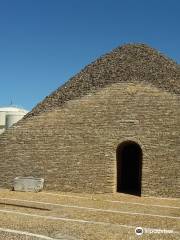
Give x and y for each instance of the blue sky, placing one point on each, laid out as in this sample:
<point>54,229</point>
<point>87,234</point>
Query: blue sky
<point>45,42</point>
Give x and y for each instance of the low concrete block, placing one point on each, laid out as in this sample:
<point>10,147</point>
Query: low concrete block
<point>28,184</point>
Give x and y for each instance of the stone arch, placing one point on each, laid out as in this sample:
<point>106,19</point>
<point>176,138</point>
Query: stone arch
<point>129,167</point>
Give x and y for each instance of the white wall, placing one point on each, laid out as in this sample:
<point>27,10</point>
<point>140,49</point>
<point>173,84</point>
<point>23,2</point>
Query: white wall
<point>9,116</point>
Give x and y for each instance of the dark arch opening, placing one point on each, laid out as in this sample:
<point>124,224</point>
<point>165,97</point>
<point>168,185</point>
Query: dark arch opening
<point>129,168</point>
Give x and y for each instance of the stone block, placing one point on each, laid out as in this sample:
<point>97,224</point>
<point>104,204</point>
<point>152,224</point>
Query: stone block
<point>28,184</point>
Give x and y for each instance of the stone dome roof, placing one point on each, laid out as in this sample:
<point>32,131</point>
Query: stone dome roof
<point>128,63</point>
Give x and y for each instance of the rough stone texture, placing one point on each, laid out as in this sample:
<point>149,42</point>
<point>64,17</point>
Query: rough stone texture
<point>74,147</point>
<point>131,62</point>
<point>70,139</point>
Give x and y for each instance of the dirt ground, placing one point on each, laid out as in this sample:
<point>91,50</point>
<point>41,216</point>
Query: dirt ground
<point>67,216</point>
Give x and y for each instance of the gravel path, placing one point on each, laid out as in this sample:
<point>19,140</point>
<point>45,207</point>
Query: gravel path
<point>91,217</point>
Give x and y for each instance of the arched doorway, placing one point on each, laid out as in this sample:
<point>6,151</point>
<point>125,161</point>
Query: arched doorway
<point>129,168</point>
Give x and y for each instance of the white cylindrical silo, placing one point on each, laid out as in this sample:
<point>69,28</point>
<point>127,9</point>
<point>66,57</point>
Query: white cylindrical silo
<point>9,116</point>
<point>13,118</point>
<point>2,119</point>
<point>2,122</point>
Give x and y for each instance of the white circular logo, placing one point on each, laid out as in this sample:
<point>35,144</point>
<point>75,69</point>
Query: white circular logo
<point>139,231</point>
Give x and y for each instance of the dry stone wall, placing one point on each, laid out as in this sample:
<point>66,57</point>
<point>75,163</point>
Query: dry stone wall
<point>74,147</point>
<point>128,63</point>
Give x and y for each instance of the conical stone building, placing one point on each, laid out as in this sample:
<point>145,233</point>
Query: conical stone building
<point>112,127</point>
